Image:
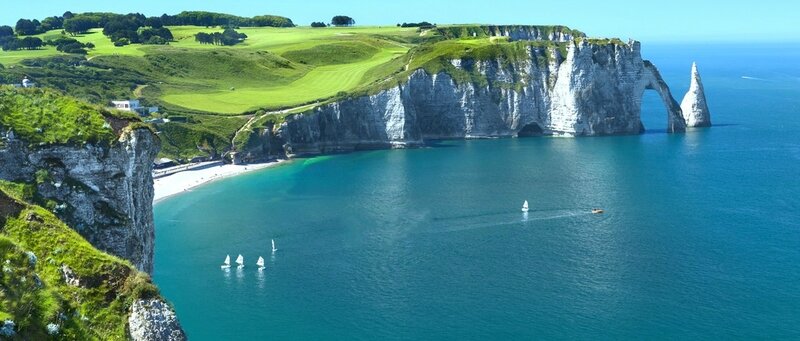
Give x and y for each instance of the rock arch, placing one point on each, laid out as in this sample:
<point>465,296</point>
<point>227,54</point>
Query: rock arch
<point>653,81</point>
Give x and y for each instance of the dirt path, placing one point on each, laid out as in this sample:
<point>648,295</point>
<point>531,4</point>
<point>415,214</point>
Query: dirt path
<point>255,118</point>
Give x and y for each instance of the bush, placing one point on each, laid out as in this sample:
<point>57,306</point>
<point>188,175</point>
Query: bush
<point>122,42</point>
<point>156,40</point>
<point>318,24</point>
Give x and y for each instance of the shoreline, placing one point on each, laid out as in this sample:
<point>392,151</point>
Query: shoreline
<point>181,182</point>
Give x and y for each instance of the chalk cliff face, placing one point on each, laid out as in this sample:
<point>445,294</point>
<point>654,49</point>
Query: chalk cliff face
<point>154,320</point>
<point>103,192</point>
<point>694,106</point>
<point>596,89</point>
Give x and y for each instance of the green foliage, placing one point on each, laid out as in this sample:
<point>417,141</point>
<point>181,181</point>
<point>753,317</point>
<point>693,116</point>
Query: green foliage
<point>228,37</point>
<point>331,54</point>
<point>40,116</point>
<point>342,20</point>
<point>42,176</point>
<point>200,18</point>
<point>204,135</point>
<point>17,190</point>
<point>34,245</point>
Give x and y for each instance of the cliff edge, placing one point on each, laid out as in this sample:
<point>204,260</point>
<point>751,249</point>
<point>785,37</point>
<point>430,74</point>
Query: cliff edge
<point>75,181</point>
<point>582,87</point>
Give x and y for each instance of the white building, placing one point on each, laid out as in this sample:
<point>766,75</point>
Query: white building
<point>26,83</point>
<point>133,105</point>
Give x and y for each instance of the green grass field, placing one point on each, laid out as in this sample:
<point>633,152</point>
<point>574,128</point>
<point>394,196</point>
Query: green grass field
<point>219,88</point>
<point>305,64</point>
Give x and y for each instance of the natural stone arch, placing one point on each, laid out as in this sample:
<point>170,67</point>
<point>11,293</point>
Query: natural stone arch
<point>653,81</point>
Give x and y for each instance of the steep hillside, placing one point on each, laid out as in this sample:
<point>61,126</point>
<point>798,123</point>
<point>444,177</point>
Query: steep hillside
<point>56,285</point>
<point>76,179</point>
<point>221,99</point>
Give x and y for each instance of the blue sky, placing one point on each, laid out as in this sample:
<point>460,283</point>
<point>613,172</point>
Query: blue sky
<point>672,20</point>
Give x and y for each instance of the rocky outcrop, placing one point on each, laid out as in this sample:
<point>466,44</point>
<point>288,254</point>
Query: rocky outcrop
<point>694,106</point>
<point>105,192</point>
<point>154,320</point>
<point>596,89</point>
<point>512,32</point>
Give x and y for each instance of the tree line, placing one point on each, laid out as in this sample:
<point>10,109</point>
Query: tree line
<point>421,24</point>
<point>338,21</point>
<point>9,42</point>
<point>228,37</point>
<point>82,22</point>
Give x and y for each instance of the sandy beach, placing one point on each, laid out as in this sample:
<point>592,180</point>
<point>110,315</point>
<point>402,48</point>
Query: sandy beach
<point>186,180</point>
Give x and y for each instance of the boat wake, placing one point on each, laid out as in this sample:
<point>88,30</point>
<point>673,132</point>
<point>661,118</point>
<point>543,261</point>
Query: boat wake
<point>487,220</point>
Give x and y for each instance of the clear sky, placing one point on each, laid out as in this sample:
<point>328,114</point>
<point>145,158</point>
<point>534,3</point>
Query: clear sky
<point>671,20</point>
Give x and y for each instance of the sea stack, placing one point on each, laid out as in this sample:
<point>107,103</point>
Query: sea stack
<point>694,106</point>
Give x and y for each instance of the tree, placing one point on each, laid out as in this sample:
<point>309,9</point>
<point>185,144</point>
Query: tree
<point>25,27</point>
<point>77,25</point>
<point>52,23</point>
<point>122,42</point>
<point>6,31</point>
<point>67,15</point>
<point>30,43</point>
<point>163,32</point>
<point>154,22</point>
<point>342,20</point>
<point>155,40</point>
<point>318,24</point>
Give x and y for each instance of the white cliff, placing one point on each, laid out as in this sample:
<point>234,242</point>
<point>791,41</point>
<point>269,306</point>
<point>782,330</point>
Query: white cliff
<point>596,89</point>
<point>154,320</point>
<point>103,192</point>
<point>694,105</point>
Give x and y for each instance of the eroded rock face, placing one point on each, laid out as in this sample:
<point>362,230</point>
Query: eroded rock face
<point>596,89</point>
<point>154,320</point>
<point>103,192</point>
<point>694,106</point>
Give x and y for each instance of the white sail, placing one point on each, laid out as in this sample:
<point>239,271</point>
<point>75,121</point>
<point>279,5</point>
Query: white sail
<point>525,206</point>
<point>260,262</point>
<point>273,246</point>
<point>240,261</point>
<point>227,262</point>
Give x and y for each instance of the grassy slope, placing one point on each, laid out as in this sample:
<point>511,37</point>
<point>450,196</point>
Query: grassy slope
<point>275,68</point>
<point>34,294</point>
<point>47,117</point>
<point>201,86</point>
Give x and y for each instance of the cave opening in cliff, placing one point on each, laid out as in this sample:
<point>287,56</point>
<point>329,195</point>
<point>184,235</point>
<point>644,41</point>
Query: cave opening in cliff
<point>532,129</point>
<point>654,115</point>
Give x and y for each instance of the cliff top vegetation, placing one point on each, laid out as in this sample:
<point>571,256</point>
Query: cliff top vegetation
<point>209,91</point>
<point>44,116</point>
<point>36,302</point>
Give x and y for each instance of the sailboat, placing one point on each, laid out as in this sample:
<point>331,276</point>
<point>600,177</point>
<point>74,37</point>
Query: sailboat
<point>240,261</point>
<point>260,263</point>
<point>273,246</point>
<point>525,206</point>
<point>227,263</point>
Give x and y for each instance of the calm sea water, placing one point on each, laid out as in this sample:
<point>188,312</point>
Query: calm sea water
<point>701,236</point>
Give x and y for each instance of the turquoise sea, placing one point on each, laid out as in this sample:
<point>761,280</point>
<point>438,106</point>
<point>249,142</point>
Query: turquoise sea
<point>700,239</point>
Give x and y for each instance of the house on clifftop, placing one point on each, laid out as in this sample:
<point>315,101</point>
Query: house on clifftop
<point>133,105</point>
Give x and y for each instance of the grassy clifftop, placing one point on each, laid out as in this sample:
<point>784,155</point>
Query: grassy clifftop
<point>53,283</point>
<point>42,116</point>
<point>212,92</point>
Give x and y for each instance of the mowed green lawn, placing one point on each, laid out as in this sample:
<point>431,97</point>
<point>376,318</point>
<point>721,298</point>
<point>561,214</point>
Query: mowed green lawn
<point>319,83</point>
<point>315,64</point>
